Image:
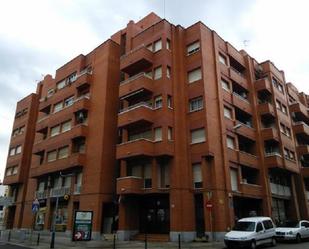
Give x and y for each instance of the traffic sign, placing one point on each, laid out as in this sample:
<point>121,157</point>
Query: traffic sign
<point>35,206</point>
<point>209,205</point>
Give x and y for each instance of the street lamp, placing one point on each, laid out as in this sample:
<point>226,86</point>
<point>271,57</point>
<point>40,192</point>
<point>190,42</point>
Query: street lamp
<point>52,241</point>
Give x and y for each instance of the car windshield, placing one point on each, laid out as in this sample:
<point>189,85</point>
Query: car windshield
<point>289,224</point>
<point>246,226</point>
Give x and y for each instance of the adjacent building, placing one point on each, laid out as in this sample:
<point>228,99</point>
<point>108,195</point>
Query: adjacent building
<point>161,129</point>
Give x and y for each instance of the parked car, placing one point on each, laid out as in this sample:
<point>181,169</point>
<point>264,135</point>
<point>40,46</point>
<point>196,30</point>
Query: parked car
<point>251,232</point>
<point>293,230</point>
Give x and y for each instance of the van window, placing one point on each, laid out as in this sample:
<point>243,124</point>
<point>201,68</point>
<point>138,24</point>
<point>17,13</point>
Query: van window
<point>259,227</point>
<point>246,226</point>
<point>268,224</point>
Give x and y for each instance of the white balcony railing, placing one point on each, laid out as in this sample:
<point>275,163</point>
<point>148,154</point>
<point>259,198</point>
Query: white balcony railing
<point>59,192</point>
<point>140,104</point>
<point>272,154</point>
<point>278,189</point>
<point>41,194</point>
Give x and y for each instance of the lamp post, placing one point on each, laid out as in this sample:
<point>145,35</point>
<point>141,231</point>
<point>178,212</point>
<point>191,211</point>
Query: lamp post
<point>53,235</point>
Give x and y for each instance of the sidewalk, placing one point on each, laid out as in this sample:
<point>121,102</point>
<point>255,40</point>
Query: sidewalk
<point>121,244</point>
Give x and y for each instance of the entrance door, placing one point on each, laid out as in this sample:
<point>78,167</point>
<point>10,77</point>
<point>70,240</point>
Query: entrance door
<point>155,214</point>
<point>199,216</point>
<point>11,217</point>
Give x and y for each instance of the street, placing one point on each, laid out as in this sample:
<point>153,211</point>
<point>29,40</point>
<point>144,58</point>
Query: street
<point>284,245</point>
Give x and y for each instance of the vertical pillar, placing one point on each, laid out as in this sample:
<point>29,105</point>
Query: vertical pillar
<point>48,215</point>
<point>154,173</point>
<point>123,168</point>
<point>295,207</point>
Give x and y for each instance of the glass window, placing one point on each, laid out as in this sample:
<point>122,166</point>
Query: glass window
<point>61,84</point>
<point>194,75</point>
<point>79,178</point>
<point>147,176</point>
<point>278,104</point>
<point>63,152</point>
<point>67,181</point>
<point>284,109</point>
<point>51,156</point>
<point>225,85</point>
<point>158,134</point>
<point>58,107</point>
<point>169,101</point>
<point>259,227</point>
<point>197,175</point>
<point>54,130</point>
<point>168,72</point>
<point>158,73</point>
<point>227,112</point>
<point>15,170</point>
<point>222,59</point>
<point>158,102</point>
<point>8,172</point>
<point>18,149</point>
<point>170,133</point>
<point>69,101</point>
<point>168,44</point>
<point>66,126</point>
<point>50,92</point>
<point>193,48</point>
<point>72,78</point>
<point>158,45</point>
<point>230,141</point>
<point>196,104</point>
<point>12,152</point>
<point>149,47</point>
<point>198,136</point>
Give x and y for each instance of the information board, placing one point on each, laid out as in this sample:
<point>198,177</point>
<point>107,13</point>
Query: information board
<point>82,226</point>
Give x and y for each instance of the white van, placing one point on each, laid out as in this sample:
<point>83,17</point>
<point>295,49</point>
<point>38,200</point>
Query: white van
<point>251,232</point>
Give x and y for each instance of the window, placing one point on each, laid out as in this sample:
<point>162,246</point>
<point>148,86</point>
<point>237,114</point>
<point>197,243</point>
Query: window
<point>158,134</point>
<point>51,156</point>
<point>66,126</point>
<point>222,59</point>
<point>170,133</point>
<point>196,104</point>
<point>282,128</point>
<point>288,132</point>
<point>149,47</point>
<point>58,107</point>
<point>225,85</point>
<point>198,136</point>
<point>284,109</point>
<point>147,176</point>
<point>79,178</point>
<point>158,73</point>
<point>280,88</point>
<point>15,132</point>
<point>234,179</point>
<point>12,152</point>
<point>8,172</point>
<point>259,227</point>
<point>18,149</point>
<point>197,175</point>
<point>69,101</point>
<point>168,44</point>
<point>278,105</point>
<point>268,224</point>
<point>168,72</point>
<point>67,181</point>
<point>227,112</point>
<point>194,75</point>
<point>54,130</point>
<point>158,45</point>
<point>193,48</point>
<point>50,92</point>
<point>63,152</point>
<point>158,102</point>
<point>286,153</point>
<point>72,78</point>
<point>230,141</point>
<point>169,101</point>
<point>14,170</point>
<point>61,84</point>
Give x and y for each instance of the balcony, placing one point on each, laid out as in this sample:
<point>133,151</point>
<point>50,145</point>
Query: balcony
<point>12,179</point>
<point>266,109</point>
<point>299,108</point>
<point>280,190</point>
<point>235,54</point>
<point>246,131</point>
<point>75,160</point>
<point>270,134</point>
<point>301,128</point>
<point>41,194</point>
<point>144,147</point>
<point>134,84</point>
<point>81,103</point>
<point>83,80</point>
<point>248,159</point>
<point>141,112</point>
<point>241,102</point>
<point>136,60</point>
<point>129,185</point>
<point>251,189</point>
<point>262,85</point>
<point>60,192</point>
<point>274,160</point>
<point>302,149</point>
<point>238,77</point>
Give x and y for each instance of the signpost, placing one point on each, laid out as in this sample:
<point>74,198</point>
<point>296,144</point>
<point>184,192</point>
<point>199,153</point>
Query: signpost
<point>209,207</point>
<point>35,206</point>
<point>82,227</point>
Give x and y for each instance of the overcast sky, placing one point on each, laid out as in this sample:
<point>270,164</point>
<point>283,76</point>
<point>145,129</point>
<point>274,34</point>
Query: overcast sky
<point>37,37</point>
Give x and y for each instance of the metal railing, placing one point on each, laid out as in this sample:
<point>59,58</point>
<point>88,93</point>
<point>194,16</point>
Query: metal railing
<point>41,194</point>
<point>57,192</point>
<point>140,104</point>
<point>281,190</point>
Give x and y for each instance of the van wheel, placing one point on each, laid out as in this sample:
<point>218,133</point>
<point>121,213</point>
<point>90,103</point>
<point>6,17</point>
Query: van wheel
<point>273,242</point>
<point>298,238</point>
<point>253,244</point>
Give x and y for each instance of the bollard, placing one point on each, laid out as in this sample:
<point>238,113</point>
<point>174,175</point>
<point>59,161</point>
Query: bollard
<point>38,240</point>
<point>179,241</point>
<point>114,242</point>
<point>145,240</point>
<point>9,236</point>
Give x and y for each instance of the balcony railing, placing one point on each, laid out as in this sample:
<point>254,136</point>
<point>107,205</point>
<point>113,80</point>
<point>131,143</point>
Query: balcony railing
<point>278,189</point>
<point>59,192</point>
<point>139,75</point>
<point>133,50</point>
<point>241,97</point>
<point>140,104</point>
<point>236,71</point>
<point>272,154</point>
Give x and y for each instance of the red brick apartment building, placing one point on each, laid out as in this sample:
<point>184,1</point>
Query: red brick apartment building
<point>151,126</point>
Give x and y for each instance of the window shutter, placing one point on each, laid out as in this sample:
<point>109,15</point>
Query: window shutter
<point>194,75</point>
